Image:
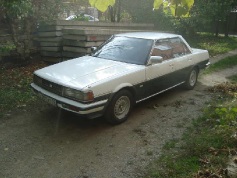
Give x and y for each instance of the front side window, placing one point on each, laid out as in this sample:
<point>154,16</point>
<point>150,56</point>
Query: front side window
<point>170,48</point>
<point>125,49</point>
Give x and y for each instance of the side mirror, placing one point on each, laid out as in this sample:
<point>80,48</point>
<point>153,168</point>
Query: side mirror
<point>156,59</point>
<point>93,49</point>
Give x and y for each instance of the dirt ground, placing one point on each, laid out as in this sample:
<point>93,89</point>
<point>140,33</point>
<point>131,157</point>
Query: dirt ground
<point>34,142</point>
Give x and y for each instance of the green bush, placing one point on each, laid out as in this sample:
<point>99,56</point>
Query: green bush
<point>7,48</point>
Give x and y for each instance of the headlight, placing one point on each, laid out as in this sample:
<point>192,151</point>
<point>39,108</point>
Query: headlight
<point>78,95</point>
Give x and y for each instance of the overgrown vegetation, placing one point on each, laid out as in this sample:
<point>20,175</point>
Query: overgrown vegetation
<point>233,78</point>
<point>15,89</point>
<point>225,63</point>
<point>206,148</point>
<point>7,47</point>
<point>23,17</point>
<point>214,45</point>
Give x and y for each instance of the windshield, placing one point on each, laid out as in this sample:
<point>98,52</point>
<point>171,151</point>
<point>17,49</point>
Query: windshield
<point>125,49</point>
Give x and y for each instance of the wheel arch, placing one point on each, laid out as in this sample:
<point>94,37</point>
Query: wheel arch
<point>196,67</point>
<point>124,86</point>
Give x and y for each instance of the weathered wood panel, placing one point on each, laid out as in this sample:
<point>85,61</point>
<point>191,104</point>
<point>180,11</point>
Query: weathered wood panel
<point>70,39</point>
<point>77,49</point>
<point>55,44</point>
<point>86,37</point>
<point>81,43</point>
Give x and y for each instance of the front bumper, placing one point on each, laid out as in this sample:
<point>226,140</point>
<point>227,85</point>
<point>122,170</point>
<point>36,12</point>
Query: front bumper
<point>90,110</point>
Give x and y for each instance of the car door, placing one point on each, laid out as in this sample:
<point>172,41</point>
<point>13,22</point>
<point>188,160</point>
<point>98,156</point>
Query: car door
<point>182,59</point>
<point>171,71</point>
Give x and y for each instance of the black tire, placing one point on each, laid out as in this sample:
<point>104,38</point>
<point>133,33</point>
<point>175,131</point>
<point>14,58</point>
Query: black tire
<point>191,79</point>
<point>120,107</point>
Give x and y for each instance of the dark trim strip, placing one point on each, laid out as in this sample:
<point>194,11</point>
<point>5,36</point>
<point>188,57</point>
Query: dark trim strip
<point>159,92</point>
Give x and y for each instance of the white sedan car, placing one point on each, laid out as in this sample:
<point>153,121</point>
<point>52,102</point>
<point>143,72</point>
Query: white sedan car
<point>89,17</point>
<point>125,70</point>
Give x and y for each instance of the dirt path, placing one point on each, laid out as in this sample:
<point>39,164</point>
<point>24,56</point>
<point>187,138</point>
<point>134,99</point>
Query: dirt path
<point>37,144</point>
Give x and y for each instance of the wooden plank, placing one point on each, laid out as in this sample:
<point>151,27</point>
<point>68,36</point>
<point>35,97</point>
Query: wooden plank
<point>53,44</point>
<point>49,39</point>
<point>50,28</point>
<point>101,24</point>
<point>53,49</point>
<point>95,31</point>
<point>86,37</point>
<point>77,49</point>
<point>75,37</point>
<point>81,43</point>
<point>50,34</point>
<point>51,54</point>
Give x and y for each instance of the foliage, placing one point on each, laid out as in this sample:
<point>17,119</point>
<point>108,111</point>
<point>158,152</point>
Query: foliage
<point>233,78</point>
<point>141,12</point>
<point>102,5</point>
<point>177,8</point>
<point>226,63</point>
<point>206,146</point>
<point>207,11</point>
<point>208,14</point>
<point>76,6</point>
<point>7,47</point>
<point>214,45</point>
<point>23,18</point>
<point>14,86</point>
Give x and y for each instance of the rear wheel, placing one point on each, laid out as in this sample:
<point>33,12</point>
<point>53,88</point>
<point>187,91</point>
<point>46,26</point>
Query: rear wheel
<point>191,79</point>
<point>120,107</point>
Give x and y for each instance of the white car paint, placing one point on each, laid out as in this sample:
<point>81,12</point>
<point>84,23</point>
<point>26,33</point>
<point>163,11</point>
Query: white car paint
<point>89,72</point>
<point>105,77</point>
<point>91,18</point>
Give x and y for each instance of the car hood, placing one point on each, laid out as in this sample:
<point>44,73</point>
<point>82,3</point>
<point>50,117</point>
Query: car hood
<point>84,71</point>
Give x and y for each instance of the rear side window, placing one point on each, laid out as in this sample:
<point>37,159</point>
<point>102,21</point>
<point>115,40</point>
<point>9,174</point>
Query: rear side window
<point>170,48</point>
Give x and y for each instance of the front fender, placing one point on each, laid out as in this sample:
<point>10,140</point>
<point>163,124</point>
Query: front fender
<point>121,86</point>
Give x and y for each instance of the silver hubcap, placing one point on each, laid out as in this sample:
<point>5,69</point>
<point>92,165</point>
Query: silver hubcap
<point>193,78</point>
<point>122,107</point>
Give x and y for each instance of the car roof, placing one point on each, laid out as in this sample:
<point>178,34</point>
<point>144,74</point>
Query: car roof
<point>149,35</point>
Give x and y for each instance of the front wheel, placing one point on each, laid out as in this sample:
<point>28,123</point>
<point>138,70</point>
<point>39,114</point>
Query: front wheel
<point>120,107</point>
<point>191,79</point>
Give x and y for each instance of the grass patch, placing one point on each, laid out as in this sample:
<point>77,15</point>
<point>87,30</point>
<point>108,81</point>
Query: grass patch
<point>233,78</point>
<point>222,64</point>
<point>206,146</point>
<point>170,167</point>
<point>15,88</point>
<point>12,98</point>
<point>214,45</point>
<point>170,144</point>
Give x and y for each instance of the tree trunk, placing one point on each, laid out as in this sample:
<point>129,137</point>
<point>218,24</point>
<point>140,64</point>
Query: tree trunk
<point>22,45</point>
<point>217,28</point>
<point>115,12</point>
<point>227,23</point>
<point>15,37</point>
<point>111,12</point>
<point>119,11</point>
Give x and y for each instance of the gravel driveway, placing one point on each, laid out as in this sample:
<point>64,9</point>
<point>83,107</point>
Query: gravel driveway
<point>34,142</point>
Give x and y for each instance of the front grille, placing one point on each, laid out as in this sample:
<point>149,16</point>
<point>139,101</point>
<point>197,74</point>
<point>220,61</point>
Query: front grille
<point>49,86</point>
